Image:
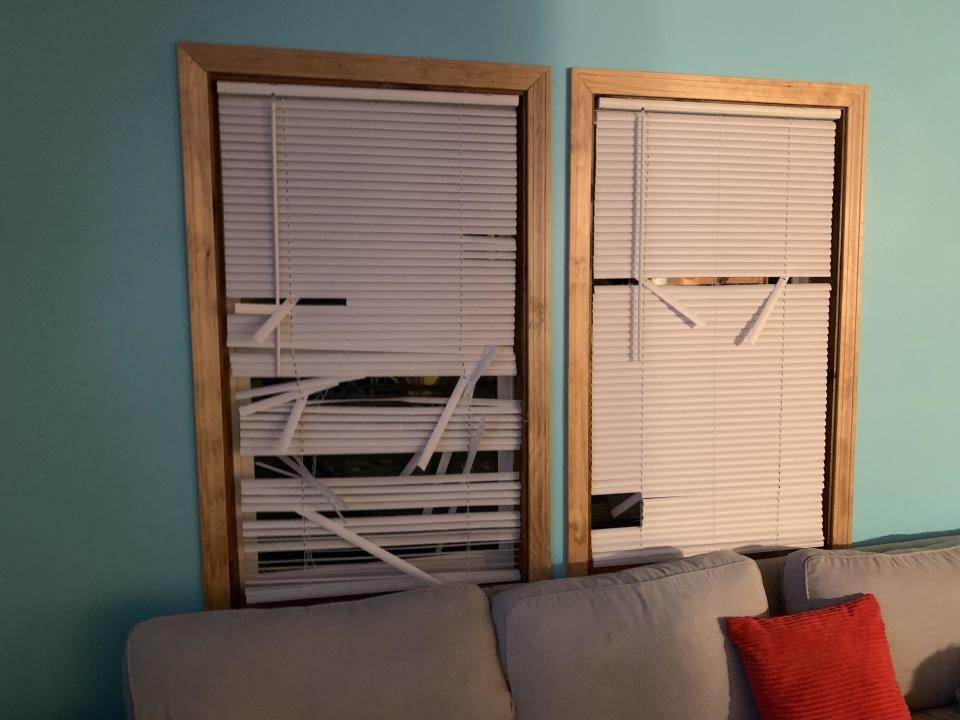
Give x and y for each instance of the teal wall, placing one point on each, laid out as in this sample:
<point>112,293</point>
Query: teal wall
<point>98,516</point>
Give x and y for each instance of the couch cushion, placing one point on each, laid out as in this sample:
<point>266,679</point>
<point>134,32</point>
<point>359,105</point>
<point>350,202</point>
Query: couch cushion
<point>771,570</point>
<point>919,594</point>
<point>641,643</point>
<point>422,654</point>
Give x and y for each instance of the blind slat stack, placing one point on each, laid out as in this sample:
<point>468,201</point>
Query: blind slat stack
<point>709,399</point>
<point>370,236</point>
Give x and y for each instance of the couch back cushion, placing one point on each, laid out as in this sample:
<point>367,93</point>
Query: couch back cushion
<point>919,594</point>
<point>422,654</point>
<point>642,643</point>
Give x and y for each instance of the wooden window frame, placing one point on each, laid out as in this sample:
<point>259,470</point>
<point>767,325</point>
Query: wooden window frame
<point>200,67</point>
<point>586,85</point>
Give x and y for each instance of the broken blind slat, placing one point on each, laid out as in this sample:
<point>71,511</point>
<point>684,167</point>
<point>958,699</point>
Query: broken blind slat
<point>370,234</point>
<point>709,400</point>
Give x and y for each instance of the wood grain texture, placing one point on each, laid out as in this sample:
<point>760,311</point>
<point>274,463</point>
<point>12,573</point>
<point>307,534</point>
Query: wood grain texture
<point>579,321</point>
<point>841,452</point>
<point>722,89</point>
<point>214,459</point>
<point>536,254</point>
<point>586,85</point>
<point>201,65</point>
<point>308,66</point>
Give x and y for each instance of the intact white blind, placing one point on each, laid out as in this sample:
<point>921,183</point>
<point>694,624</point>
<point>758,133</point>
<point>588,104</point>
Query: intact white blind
<point>713,195</point>
<point>709,399</point>
<point>370,243</point>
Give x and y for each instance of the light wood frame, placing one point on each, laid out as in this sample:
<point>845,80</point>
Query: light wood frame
<point>585,87</point>
<point>200,66</point>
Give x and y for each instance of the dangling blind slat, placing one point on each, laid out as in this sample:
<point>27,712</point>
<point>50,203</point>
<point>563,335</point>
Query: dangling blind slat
<point>709,400</point>
<point>369,246</point>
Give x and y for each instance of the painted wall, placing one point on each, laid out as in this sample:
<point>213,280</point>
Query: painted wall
<point>98,516</point>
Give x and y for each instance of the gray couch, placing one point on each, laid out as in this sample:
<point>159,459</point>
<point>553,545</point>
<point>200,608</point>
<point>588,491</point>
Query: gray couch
<point>643,643</point>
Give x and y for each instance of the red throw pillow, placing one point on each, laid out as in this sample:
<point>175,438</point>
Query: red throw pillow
<point>831,664</point>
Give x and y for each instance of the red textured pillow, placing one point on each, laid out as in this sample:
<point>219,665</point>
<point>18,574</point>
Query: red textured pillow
<point>831,664</point>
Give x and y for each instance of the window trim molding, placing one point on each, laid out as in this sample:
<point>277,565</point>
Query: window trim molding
<point>585,86</point>
<point>200,66</point>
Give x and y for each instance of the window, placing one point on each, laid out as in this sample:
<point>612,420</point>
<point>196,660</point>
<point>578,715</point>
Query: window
<point>710,303</point>
<point>379,345</point>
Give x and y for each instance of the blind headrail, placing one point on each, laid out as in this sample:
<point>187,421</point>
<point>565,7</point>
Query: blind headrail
<point>336,92</point>
<point>712,108</point>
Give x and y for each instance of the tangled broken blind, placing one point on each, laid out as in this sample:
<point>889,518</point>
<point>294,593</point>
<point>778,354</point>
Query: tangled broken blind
<point>370,266</point>
<point>712,262</point>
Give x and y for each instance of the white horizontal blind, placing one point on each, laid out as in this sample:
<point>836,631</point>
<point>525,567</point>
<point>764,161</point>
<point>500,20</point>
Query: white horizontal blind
<point>709,400</point>
<point>331,428</point>
<point>717,195</point>
<point>371,234</point>
<point>725,441</point>
<point>410,208</point>
<point>418,534</point>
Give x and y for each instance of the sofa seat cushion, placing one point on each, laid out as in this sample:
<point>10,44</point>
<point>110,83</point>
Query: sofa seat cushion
<point>422,654</point>
<point>648,642</point>
<point>919,595</point>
